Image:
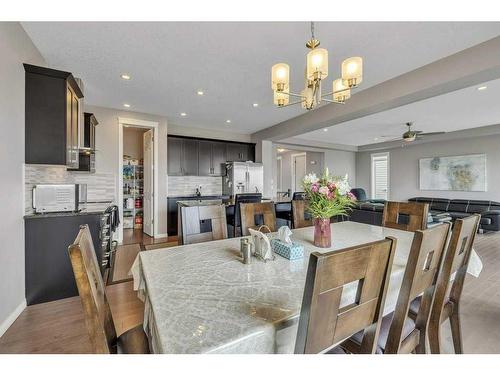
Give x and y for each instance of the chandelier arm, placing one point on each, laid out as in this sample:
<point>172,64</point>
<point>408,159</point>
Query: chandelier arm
<point>291,94</point>
<point>289,104</point>
<point>333,92</point>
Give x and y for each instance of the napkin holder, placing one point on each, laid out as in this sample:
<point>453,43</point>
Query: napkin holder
<point>291,251</point>
<point>261,244</point>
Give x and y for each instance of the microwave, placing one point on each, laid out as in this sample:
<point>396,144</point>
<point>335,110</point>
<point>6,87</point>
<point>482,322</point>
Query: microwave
<point>58,197</point>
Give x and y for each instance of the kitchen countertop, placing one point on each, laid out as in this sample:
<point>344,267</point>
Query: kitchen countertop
<point>91,209</point>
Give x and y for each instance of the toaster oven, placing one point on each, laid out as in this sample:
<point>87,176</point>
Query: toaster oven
<point>57,197</point>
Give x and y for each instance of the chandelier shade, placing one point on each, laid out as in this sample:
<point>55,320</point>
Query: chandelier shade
<point>317,64</point>
<point>280,75</point>
<point>352,71</point>
<point>340,92</point>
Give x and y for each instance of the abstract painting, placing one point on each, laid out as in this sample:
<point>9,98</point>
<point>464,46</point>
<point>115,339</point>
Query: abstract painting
<point>458,173</point>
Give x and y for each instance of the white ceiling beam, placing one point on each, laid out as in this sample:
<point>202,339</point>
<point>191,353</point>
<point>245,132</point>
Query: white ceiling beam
<point>466,68</point>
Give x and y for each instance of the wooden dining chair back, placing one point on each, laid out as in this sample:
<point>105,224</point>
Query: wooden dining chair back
<point>416,213</point>
<point>420,278</point>
<point>326,319</point>
<point>447,299</point>
<point>92,292</point>
<point>299,214</point>
<point>203,223</point>
<point>250,213</point>
<point>96,310</point>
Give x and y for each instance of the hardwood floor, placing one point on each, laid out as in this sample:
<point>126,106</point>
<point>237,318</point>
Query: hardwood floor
<point>58,327</point>
<point>131,236</point>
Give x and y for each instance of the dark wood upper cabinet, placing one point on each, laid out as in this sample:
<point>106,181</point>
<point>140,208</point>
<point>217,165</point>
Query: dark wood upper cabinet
<point>190,154</point>
<point>174,155</point>
<point>86,155</point>
<point>52,110</point>
<point>182,157</point>
<point>204,157</point>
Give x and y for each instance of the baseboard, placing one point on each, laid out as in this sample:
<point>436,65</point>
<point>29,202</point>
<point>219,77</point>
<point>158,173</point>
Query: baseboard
<point>161,235</point>
<point>4,326</point>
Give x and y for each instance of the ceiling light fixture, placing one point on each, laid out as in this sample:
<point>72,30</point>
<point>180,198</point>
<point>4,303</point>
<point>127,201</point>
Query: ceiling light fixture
<point>199,92</point>
<point>482,88</point>
<point>228,121</point>
<point>126,105</point>
<point>183,114</point>
<point>325,129</point>
<point>255,104</point>
<point>316,71</point>
<point>125,77</point>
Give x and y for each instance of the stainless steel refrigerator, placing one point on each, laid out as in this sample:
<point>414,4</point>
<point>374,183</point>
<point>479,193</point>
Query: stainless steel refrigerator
<point>243,177</point>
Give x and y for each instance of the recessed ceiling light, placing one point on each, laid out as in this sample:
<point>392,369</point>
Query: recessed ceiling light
<point>281,149</point>
<point>126,105</point>
<point>125,77</point>
<point>325,129</point>
<point>183,114</point>
<point>228,121</point>
<point>482,88</point>
<point>200,92</point>
<point>255,104</point>
<point>375,139</point>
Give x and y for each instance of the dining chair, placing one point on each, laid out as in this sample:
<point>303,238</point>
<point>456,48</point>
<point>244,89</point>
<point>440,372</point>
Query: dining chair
<point>234,219</point>
<point>98,318</point>
<point>250,213</point>
<point>416,213</point>
<point>300,218</point>
<point>299,195</point>
<point>325,319</point>
<point>203,223</point>
<point>400,333</point>
<point>448,293</point>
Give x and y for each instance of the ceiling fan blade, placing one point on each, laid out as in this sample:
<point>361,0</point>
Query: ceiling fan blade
<point>417,131</point>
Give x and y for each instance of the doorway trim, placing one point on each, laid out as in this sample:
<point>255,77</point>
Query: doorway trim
<point>123,122</point>
<point>279,173</point>
<point>292,164</point>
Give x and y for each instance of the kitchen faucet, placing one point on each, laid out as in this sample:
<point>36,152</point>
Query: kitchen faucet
<point>198,191</point>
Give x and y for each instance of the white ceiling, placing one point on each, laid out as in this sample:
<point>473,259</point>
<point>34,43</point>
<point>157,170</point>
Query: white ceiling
<point>231,62</point>
<point>462,109</point>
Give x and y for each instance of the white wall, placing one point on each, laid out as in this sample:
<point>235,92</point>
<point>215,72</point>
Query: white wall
<point>15,49</point>
<point>107,150</point>
<point>404,173</point>
<point>133,142</point>
<point>208,133</point>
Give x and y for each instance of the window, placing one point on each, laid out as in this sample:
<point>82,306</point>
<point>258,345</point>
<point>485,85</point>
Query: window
<point>380,176</point>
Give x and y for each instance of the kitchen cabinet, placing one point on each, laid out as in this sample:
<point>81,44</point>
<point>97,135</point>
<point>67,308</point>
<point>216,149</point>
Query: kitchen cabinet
<point>239,152</point>
<point>189,156</point>
<point>52,117</point>
<point>212,156</point>
<point>86,155</point>
<point>182,157</point>
<point>48,272</point>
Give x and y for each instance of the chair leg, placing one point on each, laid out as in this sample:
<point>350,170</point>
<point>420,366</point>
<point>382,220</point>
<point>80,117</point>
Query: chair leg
<point>420,349</point>
<point>456,331</point>
<point>435,338</point>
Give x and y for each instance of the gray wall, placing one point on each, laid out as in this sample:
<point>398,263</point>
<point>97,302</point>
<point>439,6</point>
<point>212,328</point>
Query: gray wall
<point>107,146</point>
<point>15,49</point>
<point>133,142</point>
<point>314,164</point>
<point>340,163</point>
<point>404,173</point>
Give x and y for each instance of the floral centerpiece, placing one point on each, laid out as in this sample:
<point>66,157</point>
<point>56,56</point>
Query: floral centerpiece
<point>327,196</point>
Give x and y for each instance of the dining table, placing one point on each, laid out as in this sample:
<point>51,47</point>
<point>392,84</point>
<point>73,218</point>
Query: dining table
<point>201,298</point>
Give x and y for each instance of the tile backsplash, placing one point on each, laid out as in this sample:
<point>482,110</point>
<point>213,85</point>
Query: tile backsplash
<point>100,186</point>
<point>186,185</point>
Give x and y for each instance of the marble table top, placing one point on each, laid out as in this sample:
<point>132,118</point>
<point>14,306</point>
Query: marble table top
<point>201,298</point>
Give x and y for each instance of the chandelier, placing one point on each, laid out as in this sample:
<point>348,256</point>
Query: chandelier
<point>316,71</point>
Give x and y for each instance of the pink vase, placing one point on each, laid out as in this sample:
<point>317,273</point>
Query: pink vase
<point>322,232</point>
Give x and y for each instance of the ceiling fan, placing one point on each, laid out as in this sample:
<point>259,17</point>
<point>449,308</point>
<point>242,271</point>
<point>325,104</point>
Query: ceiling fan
<point>411,135</point>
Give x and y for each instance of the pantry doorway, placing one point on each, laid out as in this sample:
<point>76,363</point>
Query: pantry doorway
<point>138,179</point>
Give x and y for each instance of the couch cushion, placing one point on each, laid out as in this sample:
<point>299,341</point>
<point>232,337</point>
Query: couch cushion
<point>458,205</point>
<point>440,204</point>
<point>485,220</point>
<point>477,208</point>
<point>408,327</point>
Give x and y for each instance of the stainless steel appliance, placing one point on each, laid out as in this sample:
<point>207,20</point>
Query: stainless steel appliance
<point>243,177</point>
<point>58,197</point>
